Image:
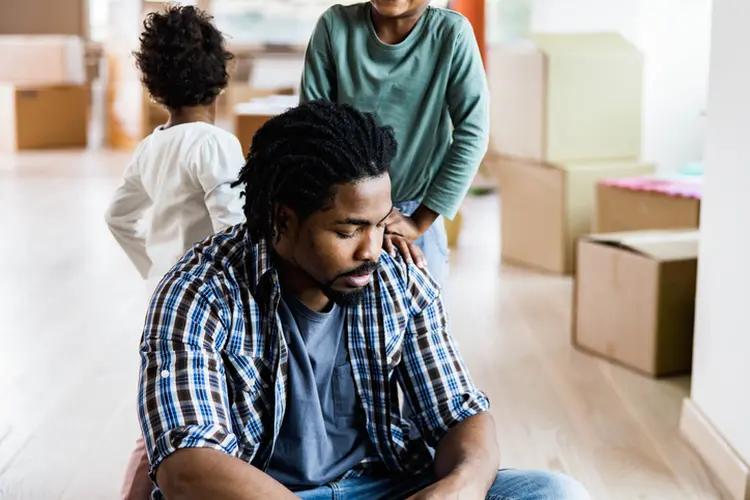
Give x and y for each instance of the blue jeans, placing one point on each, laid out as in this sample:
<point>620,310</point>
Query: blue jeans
<point>509,485</point>
<point>433,243</point>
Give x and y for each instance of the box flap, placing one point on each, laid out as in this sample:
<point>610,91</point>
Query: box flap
<point>661,245</point>
<point>598,165</point>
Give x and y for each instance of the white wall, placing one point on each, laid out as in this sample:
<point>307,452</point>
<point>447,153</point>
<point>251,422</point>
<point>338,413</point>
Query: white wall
<point>721,368</point>
<point>566,16</point>
<point>674,36</point>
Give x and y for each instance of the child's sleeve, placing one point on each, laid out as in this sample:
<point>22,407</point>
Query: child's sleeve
<point>319,72</point>
<point>124,213</point>
<point>217,166</point>
<point>468,104</point>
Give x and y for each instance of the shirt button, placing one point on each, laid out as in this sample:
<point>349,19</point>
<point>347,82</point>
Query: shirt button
<point>164,373</point>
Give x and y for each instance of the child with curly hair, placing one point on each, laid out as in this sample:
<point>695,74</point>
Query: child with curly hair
<point>178,183</point>
<point>183,171</point>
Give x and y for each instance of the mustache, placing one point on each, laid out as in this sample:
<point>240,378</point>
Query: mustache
<point>366,268</point>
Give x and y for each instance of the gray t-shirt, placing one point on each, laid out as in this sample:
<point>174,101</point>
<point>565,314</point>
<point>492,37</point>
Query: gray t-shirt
<point>323,434</point>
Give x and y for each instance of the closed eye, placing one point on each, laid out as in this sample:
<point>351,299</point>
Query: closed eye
<point>345,236</point>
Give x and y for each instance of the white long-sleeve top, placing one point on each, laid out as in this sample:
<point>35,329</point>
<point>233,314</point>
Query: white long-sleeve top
<point>175,192</point>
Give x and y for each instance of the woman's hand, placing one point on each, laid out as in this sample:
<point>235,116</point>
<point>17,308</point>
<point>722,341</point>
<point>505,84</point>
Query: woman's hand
<point>408,249</point>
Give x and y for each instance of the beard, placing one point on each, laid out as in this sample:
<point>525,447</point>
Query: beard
<point>345,299</point>
<point>353,297</point>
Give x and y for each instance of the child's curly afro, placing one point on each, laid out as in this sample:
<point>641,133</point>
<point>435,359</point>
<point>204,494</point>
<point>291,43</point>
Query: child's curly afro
<point>183,58</point>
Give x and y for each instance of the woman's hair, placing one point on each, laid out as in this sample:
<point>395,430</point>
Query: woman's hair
<point>183,59</point>
<point>298,158</point>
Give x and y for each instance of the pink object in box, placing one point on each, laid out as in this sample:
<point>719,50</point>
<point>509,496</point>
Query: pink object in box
<point>684,188</point>
<point>647,202</point>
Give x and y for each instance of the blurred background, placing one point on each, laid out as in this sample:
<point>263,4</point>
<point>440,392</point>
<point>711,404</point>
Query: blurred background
<point>598,267</point>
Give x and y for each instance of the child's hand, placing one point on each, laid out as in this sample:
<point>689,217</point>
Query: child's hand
<point>409,251</point>
<point>401,225</point>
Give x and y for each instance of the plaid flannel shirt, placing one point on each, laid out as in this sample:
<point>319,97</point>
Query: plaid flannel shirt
<point>214,359</point>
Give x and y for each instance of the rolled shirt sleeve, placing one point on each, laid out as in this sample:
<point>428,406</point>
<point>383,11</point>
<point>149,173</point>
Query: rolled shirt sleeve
<point>432,373</point>
<point>183,398</point>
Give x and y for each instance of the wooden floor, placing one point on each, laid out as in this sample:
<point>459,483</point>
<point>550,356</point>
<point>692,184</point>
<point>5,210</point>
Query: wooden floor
<point>71,307</point>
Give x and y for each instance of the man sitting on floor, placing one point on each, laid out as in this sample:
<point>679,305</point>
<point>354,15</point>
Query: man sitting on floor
<point>274,353</point>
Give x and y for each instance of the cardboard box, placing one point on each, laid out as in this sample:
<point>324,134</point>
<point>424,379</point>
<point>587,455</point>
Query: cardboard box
<point>250,116</point>
<point>126,114</point>
<point>42,60</point>
<point>94,58</point>
<point>26,17</point>
<point>246,124</point>
<point>566,97</point>
<point>126,106</point>
<point>238,93</point>
<point>634,299</point>
<point>453,229</point>
<point>43,117</point>
<point>546,208</point>
<point>623,209</point>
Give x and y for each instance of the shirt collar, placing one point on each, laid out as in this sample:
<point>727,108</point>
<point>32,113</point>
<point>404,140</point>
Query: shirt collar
<point>258,260</point>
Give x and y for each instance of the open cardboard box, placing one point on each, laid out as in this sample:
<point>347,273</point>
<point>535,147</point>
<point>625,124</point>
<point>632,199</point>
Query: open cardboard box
<point>634,299</point>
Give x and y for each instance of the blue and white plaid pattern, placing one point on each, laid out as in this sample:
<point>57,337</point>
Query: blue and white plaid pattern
<point>214,359</point>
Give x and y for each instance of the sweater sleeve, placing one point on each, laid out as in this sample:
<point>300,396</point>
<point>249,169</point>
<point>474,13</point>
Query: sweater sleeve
<point>468,104</point>
<point>319,71</point>
<point>124,214</point>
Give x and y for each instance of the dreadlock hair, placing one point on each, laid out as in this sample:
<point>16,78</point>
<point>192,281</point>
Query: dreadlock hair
<point>183,59</point>
<point>299,158</point>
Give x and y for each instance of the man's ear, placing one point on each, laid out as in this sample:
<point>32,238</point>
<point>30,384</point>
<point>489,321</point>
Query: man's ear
<point>286,222</point>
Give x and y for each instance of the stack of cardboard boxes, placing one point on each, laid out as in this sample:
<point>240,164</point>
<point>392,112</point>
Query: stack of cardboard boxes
<point>636,279</point>
<point>566,125</point>
<point>262,71</point>
<point>133,115</point>
<point>44,98</point>
<point>566,113</point>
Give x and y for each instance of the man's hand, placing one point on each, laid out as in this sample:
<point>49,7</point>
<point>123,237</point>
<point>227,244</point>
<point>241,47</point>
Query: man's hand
<point>466,461</point>
<point>409,250</point>
<point>450,488</point>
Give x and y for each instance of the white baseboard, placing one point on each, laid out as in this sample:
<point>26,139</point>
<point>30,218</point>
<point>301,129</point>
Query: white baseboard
<point>719,456</point>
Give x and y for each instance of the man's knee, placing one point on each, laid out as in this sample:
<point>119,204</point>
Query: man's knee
<point>536,485</point>
<point>562,487</point>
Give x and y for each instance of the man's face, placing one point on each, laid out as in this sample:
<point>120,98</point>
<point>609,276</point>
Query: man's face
<point>339,247</point>
<point>399,8</point>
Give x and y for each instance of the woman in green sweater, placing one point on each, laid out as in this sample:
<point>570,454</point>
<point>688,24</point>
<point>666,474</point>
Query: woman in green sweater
<point>419,70</point>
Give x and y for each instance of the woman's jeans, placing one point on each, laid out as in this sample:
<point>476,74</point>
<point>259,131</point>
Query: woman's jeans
<point>433,243</point>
